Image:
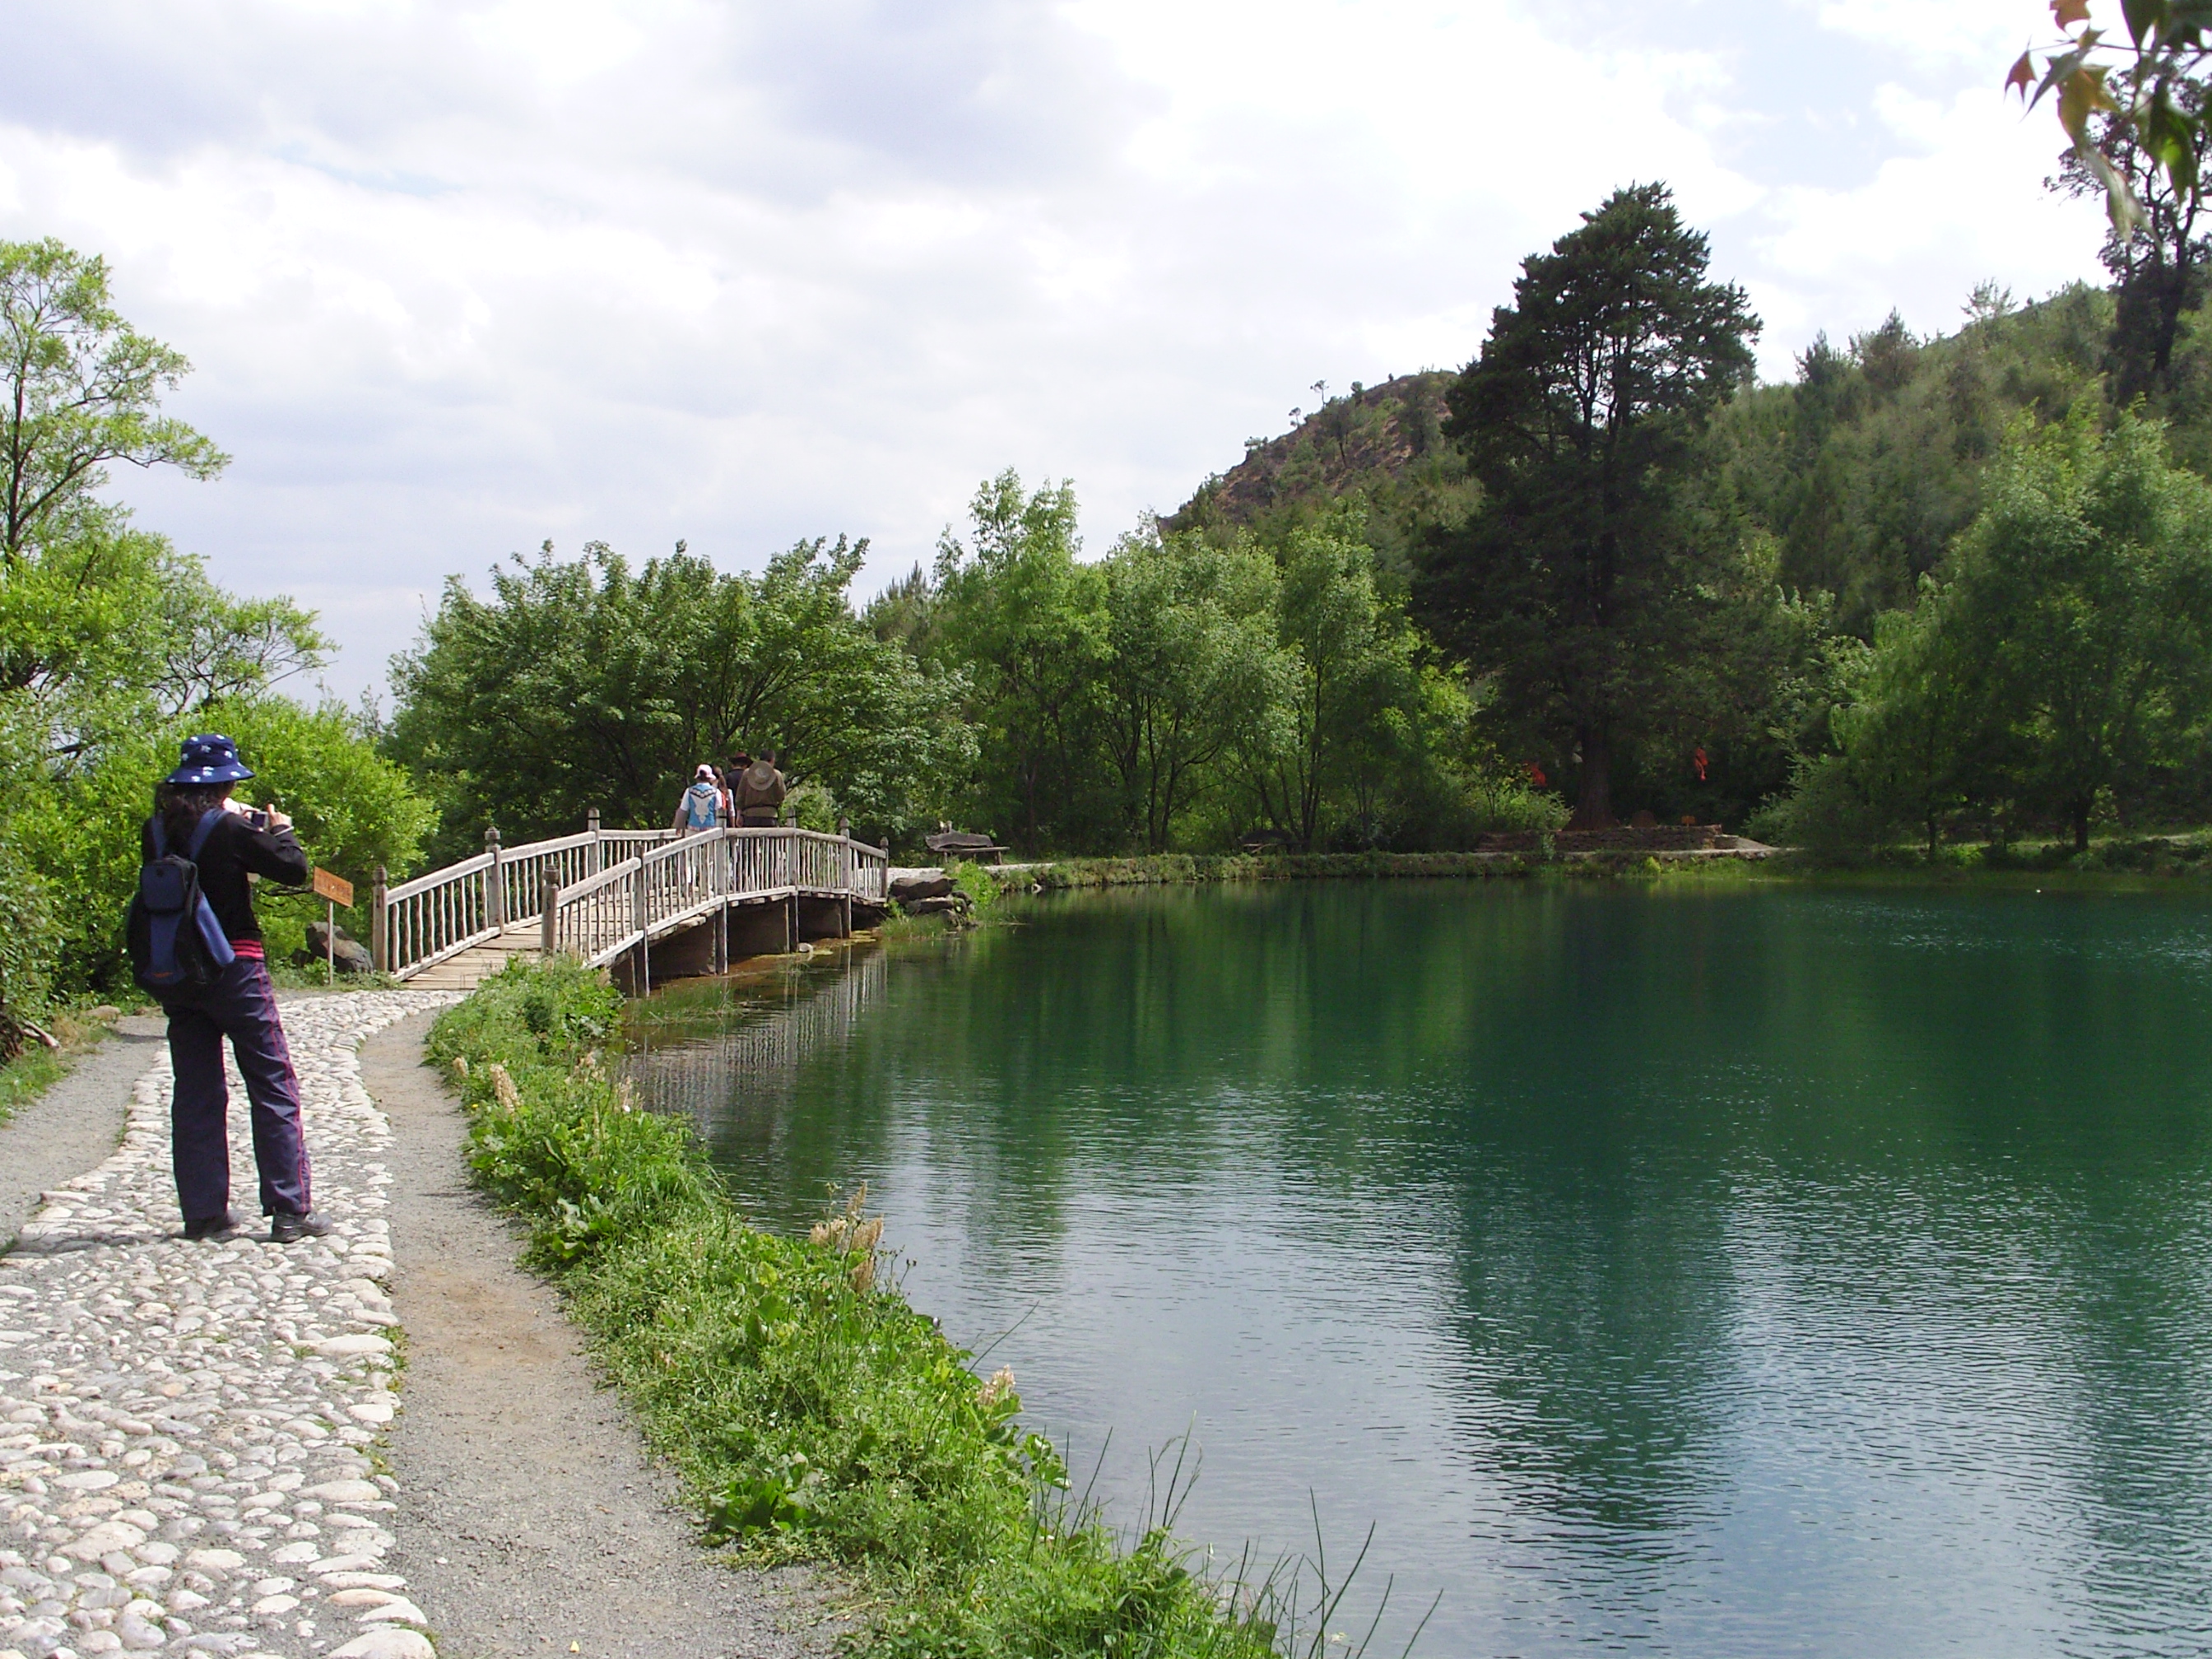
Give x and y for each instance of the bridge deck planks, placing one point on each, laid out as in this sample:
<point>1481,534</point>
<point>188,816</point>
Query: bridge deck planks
<point>481,961</point>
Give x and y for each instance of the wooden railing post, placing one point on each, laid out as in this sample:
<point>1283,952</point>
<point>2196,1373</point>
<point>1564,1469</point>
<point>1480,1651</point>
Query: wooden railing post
<point>379,948</point>
<point>592,829</point>
<point>845,871</point>
<point>639,920</point>
<point>550,937</point>
<point>495,882</point>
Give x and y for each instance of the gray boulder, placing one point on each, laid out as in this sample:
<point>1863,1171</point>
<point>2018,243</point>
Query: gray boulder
<point>908,889</point>
<point>352,956</point>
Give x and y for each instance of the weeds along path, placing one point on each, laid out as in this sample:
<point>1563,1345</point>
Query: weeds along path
<point>531,1518</point>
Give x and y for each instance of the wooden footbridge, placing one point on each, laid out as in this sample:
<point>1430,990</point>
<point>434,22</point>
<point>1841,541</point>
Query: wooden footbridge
<point>618,898</point>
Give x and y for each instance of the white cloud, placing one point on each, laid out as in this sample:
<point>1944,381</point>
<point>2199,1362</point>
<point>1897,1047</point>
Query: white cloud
<point>460,277</point>
<point>1962,201</point>
<point>1979,34</point>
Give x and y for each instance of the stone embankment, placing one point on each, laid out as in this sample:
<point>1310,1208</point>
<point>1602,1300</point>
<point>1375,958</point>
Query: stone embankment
<point>188,1431</point>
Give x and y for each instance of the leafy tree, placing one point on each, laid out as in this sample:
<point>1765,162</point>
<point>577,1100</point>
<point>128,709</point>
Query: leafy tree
<point>2083,594</point>
<point>903,611</point>
<point>111,643</point>
<point>1024,623</point>
<point>109,630</point>
<point>2066,659</point>
<point>1868,466</point>
<point>1347,673</point>
<point>583,683</point>
<point>1579,418</point>
<point>2143,128</point>
<point>1917,733</point>
<point>81,388</point>
<point>1192,663</point>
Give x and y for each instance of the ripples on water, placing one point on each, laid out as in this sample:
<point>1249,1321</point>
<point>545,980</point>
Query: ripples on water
<point>1700,1274</point>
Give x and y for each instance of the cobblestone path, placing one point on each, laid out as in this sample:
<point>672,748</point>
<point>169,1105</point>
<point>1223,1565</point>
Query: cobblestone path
<point>187,1430</point>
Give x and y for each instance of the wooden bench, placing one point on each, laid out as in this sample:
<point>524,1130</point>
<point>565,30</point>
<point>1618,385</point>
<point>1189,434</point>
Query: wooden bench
<point>961,844</point>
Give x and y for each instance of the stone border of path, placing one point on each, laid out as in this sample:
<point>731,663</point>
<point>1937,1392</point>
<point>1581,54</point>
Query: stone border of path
<point>186,1429</point>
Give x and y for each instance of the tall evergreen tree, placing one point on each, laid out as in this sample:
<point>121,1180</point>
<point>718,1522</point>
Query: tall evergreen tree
<point>1571,589</point>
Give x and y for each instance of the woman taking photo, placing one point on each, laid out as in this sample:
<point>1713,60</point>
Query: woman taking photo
<point>226,841</point>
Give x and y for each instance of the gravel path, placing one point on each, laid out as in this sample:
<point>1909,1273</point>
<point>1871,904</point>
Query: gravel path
<point>184,1428</point>
<point>77,1121</point>
<point>533,1522</point>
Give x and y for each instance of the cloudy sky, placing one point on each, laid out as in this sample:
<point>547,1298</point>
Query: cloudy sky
<point>457,277</point>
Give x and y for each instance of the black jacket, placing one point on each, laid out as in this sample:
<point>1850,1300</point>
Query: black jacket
<point>234,846</point>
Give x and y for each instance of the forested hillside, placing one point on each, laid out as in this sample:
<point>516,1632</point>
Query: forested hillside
<point>1365,633</point>
<point>1384,443</point>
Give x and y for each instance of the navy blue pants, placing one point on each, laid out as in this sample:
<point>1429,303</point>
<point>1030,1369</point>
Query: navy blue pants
<point>241,1005</point>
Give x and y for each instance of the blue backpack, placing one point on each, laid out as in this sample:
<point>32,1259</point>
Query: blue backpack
<point>167,957</point>
<point>702,805</point>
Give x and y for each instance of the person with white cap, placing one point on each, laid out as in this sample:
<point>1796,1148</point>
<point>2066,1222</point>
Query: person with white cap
<point>700,808</point>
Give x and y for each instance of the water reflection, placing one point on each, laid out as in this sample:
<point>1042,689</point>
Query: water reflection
<point>1700,1272</point>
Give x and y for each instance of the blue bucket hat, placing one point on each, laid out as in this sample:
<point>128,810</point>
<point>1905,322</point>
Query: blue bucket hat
<point>209,759</point>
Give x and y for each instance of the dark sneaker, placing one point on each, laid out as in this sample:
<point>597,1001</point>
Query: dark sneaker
<point>212,1226</point>
<point>285,1228</point>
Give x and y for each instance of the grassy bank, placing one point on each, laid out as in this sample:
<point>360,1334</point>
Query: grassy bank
<point>2117,861</point>
<point>1167,869</point>
<point>810,1412</point>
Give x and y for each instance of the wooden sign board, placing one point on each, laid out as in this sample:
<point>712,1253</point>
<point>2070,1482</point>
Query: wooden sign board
<point>336,889</point>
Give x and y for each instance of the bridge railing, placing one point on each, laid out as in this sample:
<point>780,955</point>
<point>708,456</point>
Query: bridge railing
<point>595,909</point>
<point>419,923</point>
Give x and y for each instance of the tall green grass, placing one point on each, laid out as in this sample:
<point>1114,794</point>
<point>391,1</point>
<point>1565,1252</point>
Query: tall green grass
<point>811,1412</point>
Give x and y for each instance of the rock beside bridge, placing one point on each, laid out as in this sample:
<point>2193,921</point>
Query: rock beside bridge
<point>351,954</point>
<point>906,890</point>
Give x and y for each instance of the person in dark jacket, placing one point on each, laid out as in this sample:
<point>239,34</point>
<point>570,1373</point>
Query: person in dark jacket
<point>760,789</point>
<point>240,1005</point>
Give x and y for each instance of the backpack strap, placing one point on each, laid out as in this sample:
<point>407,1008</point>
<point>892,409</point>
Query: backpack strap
<point>201,831</point>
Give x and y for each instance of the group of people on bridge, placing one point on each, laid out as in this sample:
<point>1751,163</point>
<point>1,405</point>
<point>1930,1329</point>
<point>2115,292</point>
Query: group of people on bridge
<point>749,794</point>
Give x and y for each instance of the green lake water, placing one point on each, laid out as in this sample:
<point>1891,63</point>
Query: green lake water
<point>1697,1271</point>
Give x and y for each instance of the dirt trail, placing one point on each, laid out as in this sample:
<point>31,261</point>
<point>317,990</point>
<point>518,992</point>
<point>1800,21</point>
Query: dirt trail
<point>533,1521</point>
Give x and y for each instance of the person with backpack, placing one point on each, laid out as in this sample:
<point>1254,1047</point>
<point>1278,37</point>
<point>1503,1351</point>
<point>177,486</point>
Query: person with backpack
<point>196,944</point>
<point>699,809</point>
